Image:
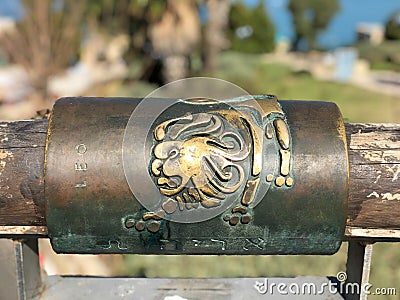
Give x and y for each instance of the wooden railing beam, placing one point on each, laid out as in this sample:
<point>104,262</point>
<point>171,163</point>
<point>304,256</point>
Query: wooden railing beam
<point>374,200</point>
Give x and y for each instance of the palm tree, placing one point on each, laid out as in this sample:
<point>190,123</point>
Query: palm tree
<point>45,40</point>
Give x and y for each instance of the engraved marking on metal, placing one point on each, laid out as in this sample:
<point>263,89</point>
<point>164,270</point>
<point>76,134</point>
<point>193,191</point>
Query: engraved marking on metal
<point>168,244</point>
<point>81,166</point>
<point>207,243</point>
<point>81,148</point>
<point>81,185</point>
<point>289,181</point>
<point>259,244</point>
<point>115,242</point>
<point>223,243</point>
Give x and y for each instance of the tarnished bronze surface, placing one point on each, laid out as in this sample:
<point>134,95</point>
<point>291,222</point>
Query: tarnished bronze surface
<point>276,174</point>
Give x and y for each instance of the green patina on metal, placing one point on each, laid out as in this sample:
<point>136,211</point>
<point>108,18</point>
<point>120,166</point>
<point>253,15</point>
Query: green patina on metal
<point>245,176</point>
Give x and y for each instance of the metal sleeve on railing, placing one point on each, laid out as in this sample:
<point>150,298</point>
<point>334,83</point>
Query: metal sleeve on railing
<point>242,176</point>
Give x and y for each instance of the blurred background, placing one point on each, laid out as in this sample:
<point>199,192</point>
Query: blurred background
<point>345,51</point>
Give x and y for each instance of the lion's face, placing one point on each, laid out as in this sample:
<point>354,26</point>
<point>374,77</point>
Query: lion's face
<point>197,159</point>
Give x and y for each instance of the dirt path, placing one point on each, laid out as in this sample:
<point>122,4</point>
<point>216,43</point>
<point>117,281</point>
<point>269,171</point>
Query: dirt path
<point>385,82</point>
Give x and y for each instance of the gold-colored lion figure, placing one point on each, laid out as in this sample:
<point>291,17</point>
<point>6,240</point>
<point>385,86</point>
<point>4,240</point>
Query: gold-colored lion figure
<point>196,159</point>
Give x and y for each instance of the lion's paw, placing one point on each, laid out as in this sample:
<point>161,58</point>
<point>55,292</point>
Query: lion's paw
<point>238,214</point>
<point>150,221</point>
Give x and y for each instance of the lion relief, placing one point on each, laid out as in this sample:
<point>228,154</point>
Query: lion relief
<point>198,159</point>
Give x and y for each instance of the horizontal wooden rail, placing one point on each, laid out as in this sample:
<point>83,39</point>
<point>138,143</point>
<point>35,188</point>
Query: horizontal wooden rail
<point>374,200</point>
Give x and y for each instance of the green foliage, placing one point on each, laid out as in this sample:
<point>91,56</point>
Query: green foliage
<point>130,17</point>
<point>392,29</point>
<point>384,56</point>
<point>251,29</point>
<point>310,17</point>
<point>117,12</point>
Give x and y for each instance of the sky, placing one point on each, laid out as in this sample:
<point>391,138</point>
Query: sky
<point>10,8</point>
<point>341,31</point>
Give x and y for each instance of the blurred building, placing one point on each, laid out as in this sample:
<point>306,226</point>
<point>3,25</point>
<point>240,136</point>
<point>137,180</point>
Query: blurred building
<point>282,44</point>
<point>373,33</point>
<point>345,61</point>
<point>101,61</point>
<point>7,24</point>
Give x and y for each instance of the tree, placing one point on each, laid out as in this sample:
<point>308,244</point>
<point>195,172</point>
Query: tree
<point>310,17</point>
<point>214,39</point>
<point>160,31</point>
<point>251,29</point>
<point>392,29</point>
<point>45,40</point>
<point>130,17</point>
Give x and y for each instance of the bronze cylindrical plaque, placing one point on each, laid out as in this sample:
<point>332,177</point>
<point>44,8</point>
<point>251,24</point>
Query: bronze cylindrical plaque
<point>249,175</point>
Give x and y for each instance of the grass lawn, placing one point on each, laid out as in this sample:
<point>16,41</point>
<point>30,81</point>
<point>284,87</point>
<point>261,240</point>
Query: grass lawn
<point>356,104</point>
